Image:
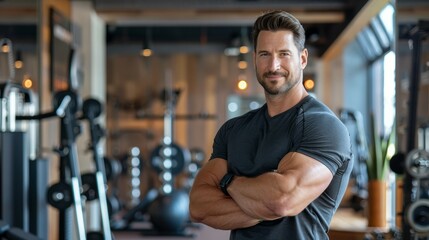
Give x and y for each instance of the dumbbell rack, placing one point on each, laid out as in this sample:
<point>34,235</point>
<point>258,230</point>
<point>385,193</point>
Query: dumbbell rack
<point>417,211</point>
<point>412,179</point>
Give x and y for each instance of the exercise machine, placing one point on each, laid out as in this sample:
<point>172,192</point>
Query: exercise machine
<point>67,191</point>
<point>13,233</point>
<point>94,183</point>
<point>413,163</point>
<point>22,174</point>
<point>359,175</point>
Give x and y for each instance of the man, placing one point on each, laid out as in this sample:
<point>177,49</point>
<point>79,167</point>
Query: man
<point>280,171</point>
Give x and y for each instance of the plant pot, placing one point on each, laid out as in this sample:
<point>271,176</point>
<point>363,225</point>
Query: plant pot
<point>377,203</point>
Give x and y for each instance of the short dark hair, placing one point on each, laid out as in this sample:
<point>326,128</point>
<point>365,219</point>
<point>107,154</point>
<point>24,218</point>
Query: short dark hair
<point>279,20</point>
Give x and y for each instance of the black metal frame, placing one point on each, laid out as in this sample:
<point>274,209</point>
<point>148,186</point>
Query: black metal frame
<point>415,34</point>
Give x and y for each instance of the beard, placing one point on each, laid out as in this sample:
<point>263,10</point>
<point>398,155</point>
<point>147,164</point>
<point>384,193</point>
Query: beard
<point>273,90</point>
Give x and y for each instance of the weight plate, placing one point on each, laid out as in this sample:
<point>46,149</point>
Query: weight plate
<point>59,195</point>
<point>113,168</point>
<point>89,186</point>
<point>197,156</point>
<point>417,163</point>
<point>114,205</point>
<point>179,158</point>
<point>418,216</point>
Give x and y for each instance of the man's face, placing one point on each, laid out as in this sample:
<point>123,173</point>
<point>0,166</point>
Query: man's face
<point>278,62</point>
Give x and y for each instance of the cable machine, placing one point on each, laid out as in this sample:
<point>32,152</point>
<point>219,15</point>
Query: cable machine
<point>414,164</point>
<point>22,174</point>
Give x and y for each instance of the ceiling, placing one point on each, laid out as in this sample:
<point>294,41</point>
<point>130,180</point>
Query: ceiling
<point>18,22</point>
<point>191,23</point>
<point>208,23</point>
<point>196,25</point>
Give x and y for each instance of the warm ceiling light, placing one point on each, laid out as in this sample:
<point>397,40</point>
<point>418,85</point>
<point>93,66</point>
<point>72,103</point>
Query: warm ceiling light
<point>242,84</point>
<point>242,63</point>
<point>27,82</point>
<point>238,44</point>
<point>147,52</point>
<point>18,60</point>
<point>18,64</point>
<point>244,49</point>
<point>309,84</point>
<point>5,48</point>
<point>244,42</point>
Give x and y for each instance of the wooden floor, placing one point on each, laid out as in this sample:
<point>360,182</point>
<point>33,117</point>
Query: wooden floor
<point>345,225</point>
<point>196,232</point>
<point>347,219</point>
<point>350,225</point>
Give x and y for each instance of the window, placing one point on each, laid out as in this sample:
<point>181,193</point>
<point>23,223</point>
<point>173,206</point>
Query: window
<point>387,18</point>
<point>380,32</point>
<point>389,91</point>
<point>376,39</point>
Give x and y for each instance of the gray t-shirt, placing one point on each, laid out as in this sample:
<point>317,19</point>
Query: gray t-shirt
<point>254,143</point>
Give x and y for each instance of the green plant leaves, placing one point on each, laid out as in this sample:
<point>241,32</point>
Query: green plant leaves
<point>377,163</point>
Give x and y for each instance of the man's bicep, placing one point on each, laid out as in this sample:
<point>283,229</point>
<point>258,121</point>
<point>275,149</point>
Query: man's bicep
<point>295,161</point>
<point>308,173</point>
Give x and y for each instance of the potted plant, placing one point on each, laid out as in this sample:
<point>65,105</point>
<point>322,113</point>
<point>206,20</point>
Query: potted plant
<point>381,150</point>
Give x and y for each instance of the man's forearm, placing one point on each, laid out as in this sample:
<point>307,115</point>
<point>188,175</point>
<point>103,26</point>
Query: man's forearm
<point>254,195</point>
<point>298,180</point>
<point>214,209</point>
<point>227,215</point>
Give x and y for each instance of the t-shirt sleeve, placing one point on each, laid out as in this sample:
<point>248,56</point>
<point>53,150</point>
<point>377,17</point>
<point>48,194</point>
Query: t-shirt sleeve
<point>219,148</point>
<point>326,139</point>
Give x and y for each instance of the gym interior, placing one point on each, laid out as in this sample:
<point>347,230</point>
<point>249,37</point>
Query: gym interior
<point>109,109</point>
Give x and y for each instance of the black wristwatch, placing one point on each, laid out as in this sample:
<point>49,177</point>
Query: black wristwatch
<point>225,181</point>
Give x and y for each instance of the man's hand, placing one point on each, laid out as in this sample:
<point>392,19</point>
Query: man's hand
<point>209,205</point>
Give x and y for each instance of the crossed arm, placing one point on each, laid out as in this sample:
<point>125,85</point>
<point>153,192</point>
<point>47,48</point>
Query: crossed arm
<point>298,180</point>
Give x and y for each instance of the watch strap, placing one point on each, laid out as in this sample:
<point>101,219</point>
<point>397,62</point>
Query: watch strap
<point>225,181</point>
